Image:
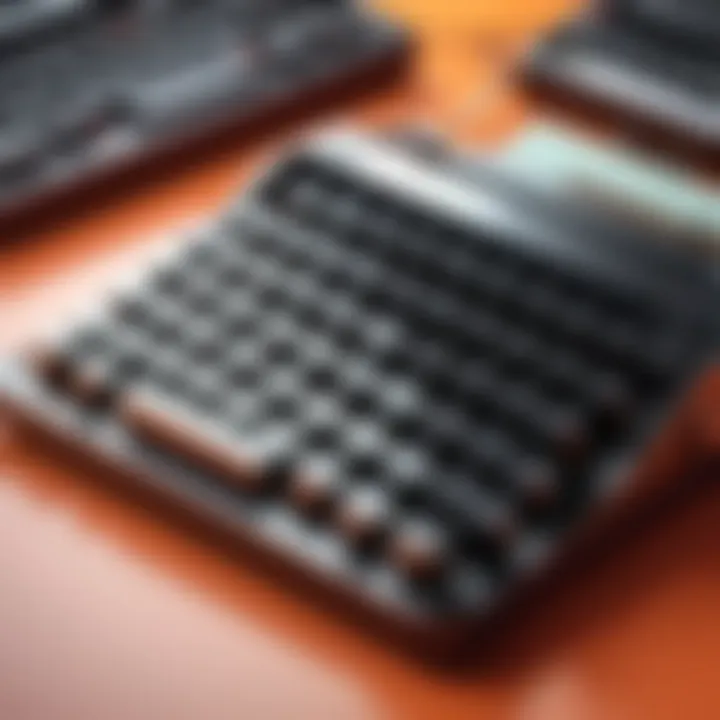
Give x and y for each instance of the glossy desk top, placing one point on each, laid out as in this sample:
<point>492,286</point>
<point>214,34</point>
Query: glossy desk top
<point>109,612</point>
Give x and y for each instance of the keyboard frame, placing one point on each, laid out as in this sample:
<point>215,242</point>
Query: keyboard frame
<point>664,460</point>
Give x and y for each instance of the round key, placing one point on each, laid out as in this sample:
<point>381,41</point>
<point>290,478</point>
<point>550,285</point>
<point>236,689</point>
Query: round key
<point>614,398</point>
<point>130,364</point>
<point>91,382</point>
<point>520,350</point>
<point>49,361</point>
<point>204,344</point>
<point>560,429</point>
<point>313,491</point>
<point>537,482</point>
<point>420,551</point>
<point>483,517</point>
<point>131,312</point>
<point>305,200</point>
<point>567,432</point>
<point>363,516</point>
<point>607,395</point>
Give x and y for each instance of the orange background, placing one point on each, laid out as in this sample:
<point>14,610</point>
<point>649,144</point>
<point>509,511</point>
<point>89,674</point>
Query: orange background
<point>109,612</point>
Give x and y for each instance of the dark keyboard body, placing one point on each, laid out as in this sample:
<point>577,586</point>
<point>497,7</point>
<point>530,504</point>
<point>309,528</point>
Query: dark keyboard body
<point>655,64</point>
<point>88,87</point>
<point>415,390</point>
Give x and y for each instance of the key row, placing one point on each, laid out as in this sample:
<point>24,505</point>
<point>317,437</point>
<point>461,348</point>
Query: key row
<point>419,548</point>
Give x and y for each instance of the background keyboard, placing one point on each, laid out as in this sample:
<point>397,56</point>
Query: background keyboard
<point>89,86</point>
<point>657,64</point>
<point>414,390</point>
<point>686,22</point>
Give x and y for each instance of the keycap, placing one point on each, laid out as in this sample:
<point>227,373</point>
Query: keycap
<point>313,489</point>
<point>363,516</point>
<point>420,550</point>
<point>157,419</point>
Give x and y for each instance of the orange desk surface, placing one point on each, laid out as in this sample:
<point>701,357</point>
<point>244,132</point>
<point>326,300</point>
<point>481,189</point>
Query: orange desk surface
<point>108,612</point>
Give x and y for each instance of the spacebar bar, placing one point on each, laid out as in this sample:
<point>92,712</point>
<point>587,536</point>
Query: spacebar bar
<point>164,423</point>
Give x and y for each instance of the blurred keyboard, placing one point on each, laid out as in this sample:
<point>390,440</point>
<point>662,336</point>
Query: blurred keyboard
<point>687,23</point>
<point>415,389</point>
<point>655,62</point>
<point>87,86</point>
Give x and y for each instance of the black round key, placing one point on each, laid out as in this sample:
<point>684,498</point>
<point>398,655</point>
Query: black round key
<point>240,323</point>
<point>305,201</point>
<point>170,282</point>
<point>243,375</point>
<point>206,391</point>
<point>203,342</point>
<point>395,360</point>
<point>607,394</point>
<point>485,519</point>
<point>88,342</point>
<point>361,401</point>
<point>284,407</point>
<point>321,377</point>
<point>233,274</point>
<point>613,397</point>
<point>132,312</point>
<point>520,351</point>
<point>479,384</point>
<point>203,300</point>
<point>130,365</point>
<point>538,483</point>
<point>311,316</point>
<point>166,323</point>
<point>559,429</point>
<point>322,437</point>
